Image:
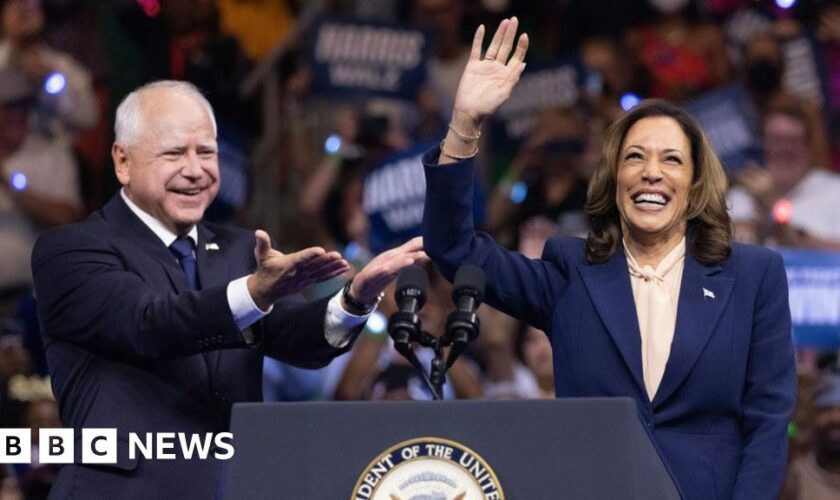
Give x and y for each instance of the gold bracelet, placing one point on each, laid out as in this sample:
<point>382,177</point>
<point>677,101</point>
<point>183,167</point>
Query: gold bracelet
<point>455,157</point>
<point>465,137</point>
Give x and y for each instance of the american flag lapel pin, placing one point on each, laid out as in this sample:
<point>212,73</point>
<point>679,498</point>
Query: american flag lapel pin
<point>708,293</point>
<point>211,246</point>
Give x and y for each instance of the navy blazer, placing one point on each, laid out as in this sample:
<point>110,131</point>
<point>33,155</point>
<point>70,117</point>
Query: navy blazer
<point>130,346</point>
<point>720,415</point>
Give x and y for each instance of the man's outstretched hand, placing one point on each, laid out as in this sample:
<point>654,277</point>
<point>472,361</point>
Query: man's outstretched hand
<point>280,274</point>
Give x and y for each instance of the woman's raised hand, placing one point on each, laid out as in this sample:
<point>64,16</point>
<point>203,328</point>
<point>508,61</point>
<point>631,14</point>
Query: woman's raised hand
<point>488,81</point>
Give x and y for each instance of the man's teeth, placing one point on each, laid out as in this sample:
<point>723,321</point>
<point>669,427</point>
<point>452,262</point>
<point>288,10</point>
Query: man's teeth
<point>650,198</point>
<point>189,192</point>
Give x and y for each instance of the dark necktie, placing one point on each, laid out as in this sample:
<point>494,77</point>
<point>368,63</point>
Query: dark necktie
<point>182,248</point>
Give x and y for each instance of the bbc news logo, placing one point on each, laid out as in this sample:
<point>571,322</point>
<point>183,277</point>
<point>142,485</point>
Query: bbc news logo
<point>99,446</point>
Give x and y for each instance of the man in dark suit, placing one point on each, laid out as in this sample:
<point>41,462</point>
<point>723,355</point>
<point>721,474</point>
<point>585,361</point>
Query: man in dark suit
<point>155,321</point>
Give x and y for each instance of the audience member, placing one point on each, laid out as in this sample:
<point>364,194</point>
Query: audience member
<point>45,97</point>
<point>547,179</point>
<point>39,184</point>
<point>788,200</point>
<point>679,54</point>
<point>65,101</point>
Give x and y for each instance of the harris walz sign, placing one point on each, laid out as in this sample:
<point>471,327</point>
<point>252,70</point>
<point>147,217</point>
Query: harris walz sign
<point>354,57</point>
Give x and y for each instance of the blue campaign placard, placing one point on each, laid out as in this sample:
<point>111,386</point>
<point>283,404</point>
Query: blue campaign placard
<point>394,194</point>
<point>729,122</point>
<point>804,74</point>
<point>814,285</point>
<point>540,88</point>
<point>350,57</point>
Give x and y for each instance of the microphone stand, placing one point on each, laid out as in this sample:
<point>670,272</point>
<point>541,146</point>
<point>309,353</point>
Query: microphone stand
<point>461,328</point>
<point>405,329</point>
<point>437,377</point>
<point>408,353</point>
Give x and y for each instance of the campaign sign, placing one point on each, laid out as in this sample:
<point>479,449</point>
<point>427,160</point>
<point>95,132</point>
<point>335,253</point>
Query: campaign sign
<point>394,194</point>
<point>353,57</point>
<point>539,89</point>
<point>804,73</point>
<point>729,123</point>
<point>814,286</point>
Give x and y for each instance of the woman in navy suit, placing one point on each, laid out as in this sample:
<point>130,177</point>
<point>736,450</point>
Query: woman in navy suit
<point>657,303</point>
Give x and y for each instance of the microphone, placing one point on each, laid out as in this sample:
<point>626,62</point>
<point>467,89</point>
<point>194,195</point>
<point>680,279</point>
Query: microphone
<point>462,325</point>
<point>468,288</point>
<point>404,325</point>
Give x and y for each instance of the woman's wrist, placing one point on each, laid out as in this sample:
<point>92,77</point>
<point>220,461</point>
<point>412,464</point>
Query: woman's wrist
<point>465,123</point>
<point>455,148</point>
<point>461,140</point>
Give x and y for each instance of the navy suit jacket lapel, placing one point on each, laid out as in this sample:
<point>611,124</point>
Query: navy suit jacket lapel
<point>609,288</point>
<point>213,267</point>
<point>213,270</point>
<point>118,213</point>
<point>703,297</point>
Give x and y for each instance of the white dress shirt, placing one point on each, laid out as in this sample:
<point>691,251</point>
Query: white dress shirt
<point>337,324</point>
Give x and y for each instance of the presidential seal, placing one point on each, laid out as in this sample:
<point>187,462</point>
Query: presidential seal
<point>428,469</point>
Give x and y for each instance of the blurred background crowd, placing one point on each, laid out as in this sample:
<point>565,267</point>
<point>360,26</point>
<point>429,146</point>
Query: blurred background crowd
<point>324,108</point>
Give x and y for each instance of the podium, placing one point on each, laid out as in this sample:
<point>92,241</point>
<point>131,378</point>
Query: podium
<point>589,448</point>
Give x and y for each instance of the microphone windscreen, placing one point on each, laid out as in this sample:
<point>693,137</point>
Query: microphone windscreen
<point>412,282</point>
<point>469,280</point>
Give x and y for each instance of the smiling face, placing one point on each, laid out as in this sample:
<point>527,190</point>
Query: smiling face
<point>171,171</point>
<point>655,172</point>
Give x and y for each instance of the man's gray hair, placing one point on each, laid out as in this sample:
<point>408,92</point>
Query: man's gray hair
<point>129,119</point>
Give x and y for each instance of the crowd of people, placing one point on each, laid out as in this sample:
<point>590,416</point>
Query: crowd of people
<point>308,163</point>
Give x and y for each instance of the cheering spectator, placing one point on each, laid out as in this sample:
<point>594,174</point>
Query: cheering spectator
<point>789,200</point>
<point>45,96</point>
<point>65,101</point>
<point>39,185</point>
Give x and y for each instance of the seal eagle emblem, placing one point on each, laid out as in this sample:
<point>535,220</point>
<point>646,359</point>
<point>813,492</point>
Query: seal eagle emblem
<point>428,468</point>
